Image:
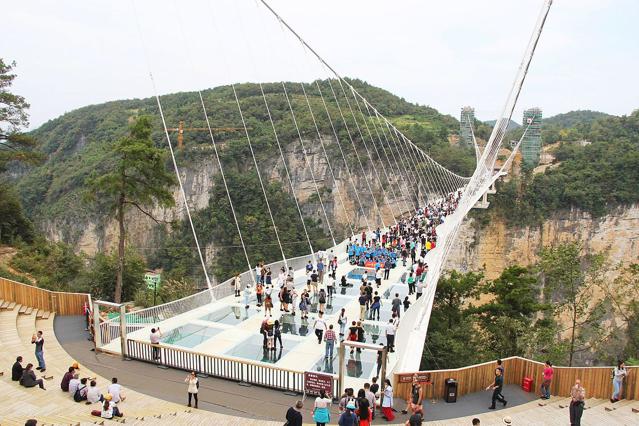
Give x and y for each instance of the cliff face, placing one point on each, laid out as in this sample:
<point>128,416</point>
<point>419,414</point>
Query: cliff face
<point>338,198</point>
<point>497,246</point>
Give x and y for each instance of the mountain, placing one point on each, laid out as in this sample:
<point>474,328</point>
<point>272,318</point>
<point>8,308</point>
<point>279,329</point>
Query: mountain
<point>512,125</point>
<point>573,118</point>
<point>77,145</point>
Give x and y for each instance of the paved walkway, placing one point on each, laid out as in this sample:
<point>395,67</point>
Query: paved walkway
<point>228,397</point>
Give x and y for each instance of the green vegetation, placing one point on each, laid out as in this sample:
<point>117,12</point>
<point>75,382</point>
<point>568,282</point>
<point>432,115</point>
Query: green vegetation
<point>551,311</point>
<point>595,178</point>
<point>137,178</point>
<point>215,224</point>
<point>77,144</point>
<point>15,148</point>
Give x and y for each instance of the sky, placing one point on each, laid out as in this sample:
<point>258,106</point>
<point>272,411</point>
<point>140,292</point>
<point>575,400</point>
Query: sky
<point>443,54</point>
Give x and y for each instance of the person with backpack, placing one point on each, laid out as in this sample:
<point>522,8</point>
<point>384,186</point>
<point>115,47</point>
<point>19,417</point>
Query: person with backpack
<point>193,387</point>
<point>80,393</point>
<point>321,412</point>
<point>348,417</point>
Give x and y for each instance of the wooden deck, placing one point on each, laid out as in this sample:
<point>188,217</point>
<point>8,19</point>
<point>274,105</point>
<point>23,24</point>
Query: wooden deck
<point>55,407</point>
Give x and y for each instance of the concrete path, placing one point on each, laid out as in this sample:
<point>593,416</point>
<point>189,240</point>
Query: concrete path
<point>228,397</point>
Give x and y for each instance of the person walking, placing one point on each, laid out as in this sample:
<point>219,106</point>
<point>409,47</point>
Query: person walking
<point>193,387</point>
<point>348,417</point>
<point>277,333</point>
<point>321,298</point>
<point>319,326</point>
<point>375,306</point>
<point>411,283</point>
<point>496,387</point>
<point>390,335</point>
<point>247,295</point>
<point>259,291</point>
<point>329,338</point>
<point>342,320</point>
<point>363,300</point>
<point>155,336</point>
<point>545,385</point>
<point>396,305</point>
<point>618,376</point>
<point>321,412</point>
<point>577,395</point>
<point>237,285</point>
<point>294,414</point>
<point>38,340</point>
<point>387,401</point>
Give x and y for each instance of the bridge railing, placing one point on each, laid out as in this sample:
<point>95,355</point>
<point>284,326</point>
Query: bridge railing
<point>60,302</point>
<point>109,329</point>
<point>475,378</point>
<point>243,371</point>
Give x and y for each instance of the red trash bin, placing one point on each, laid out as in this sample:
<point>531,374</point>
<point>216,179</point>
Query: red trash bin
<point>527,384</point>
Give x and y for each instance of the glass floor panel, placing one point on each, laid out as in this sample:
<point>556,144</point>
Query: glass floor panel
<point>352,290</point>
<point>230,315</point>
<point>189,335</point>
<point>357,273</point>
<point>402,289</point>
<point>358,364</point>
<point>333,304</point>
<point>253,349</point>
<point>293,324</point>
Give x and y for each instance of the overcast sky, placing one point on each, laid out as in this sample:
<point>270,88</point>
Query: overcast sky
<point>445,54</point>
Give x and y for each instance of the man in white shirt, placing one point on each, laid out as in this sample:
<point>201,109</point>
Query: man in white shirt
<point>390,335</point>
<point>115,389</point>
<point>73,384</point>
<point>93,394</point>
<point>156,334</point>
<point>319,325</point>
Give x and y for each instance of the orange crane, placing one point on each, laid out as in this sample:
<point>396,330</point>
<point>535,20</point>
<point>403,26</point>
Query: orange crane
<point>181,129</point>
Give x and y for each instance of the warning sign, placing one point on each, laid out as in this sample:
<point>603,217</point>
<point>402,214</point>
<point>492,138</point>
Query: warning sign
<point>314,382</point>
<point>421,377</point>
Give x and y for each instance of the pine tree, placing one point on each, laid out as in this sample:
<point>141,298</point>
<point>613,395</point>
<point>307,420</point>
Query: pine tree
<point>137,178</point>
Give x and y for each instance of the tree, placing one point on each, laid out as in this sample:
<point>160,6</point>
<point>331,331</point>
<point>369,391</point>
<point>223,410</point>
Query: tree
<point>622,293</point>
<point>508,318</point>
<point>452,339</point>
<point>138,178</point>
<point>14,145</point>
<point>14,225</point>
<point>569,281</point>
<point>453,291</point>
<point>104,268</point>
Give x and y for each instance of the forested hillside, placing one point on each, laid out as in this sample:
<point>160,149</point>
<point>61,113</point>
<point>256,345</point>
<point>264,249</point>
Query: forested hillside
<point>595,176</point>
<point>78,145</point>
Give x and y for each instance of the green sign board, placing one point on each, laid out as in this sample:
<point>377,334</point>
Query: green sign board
<point>152,281</point>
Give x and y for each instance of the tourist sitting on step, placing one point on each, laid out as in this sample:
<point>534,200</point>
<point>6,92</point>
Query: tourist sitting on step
<point>93,394</point>
<point>109,409</point>
<point>81,392</point>
<point>74,383</point>
<point>64,384</point>
<point>17,370</point>
<point>29,379</point>
<point>115,390</point>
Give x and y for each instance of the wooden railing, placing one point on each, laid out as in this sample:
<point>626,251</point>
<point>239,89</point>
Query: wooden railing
<point>60,302</point>
<point>240,370</point>
<point>475,378</point>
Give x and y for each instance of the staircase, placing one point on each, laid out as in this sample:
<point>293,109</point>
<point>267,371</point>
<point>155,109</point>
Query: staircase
<point>55,407</point>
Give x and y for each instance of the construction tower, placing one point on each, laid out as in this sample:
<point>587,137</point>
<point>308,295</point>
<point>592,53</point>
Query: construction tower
<point>466,120</point>
<point>531,144</point>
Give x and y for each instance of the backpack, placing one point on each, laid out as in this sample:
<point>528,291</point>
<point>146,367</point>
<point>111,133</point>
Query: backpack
<point>77,396</point>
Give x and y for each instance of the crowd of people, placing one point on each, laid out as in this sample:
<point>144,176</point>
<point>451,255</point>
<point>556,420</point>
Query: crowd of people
<point>79,389</point>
